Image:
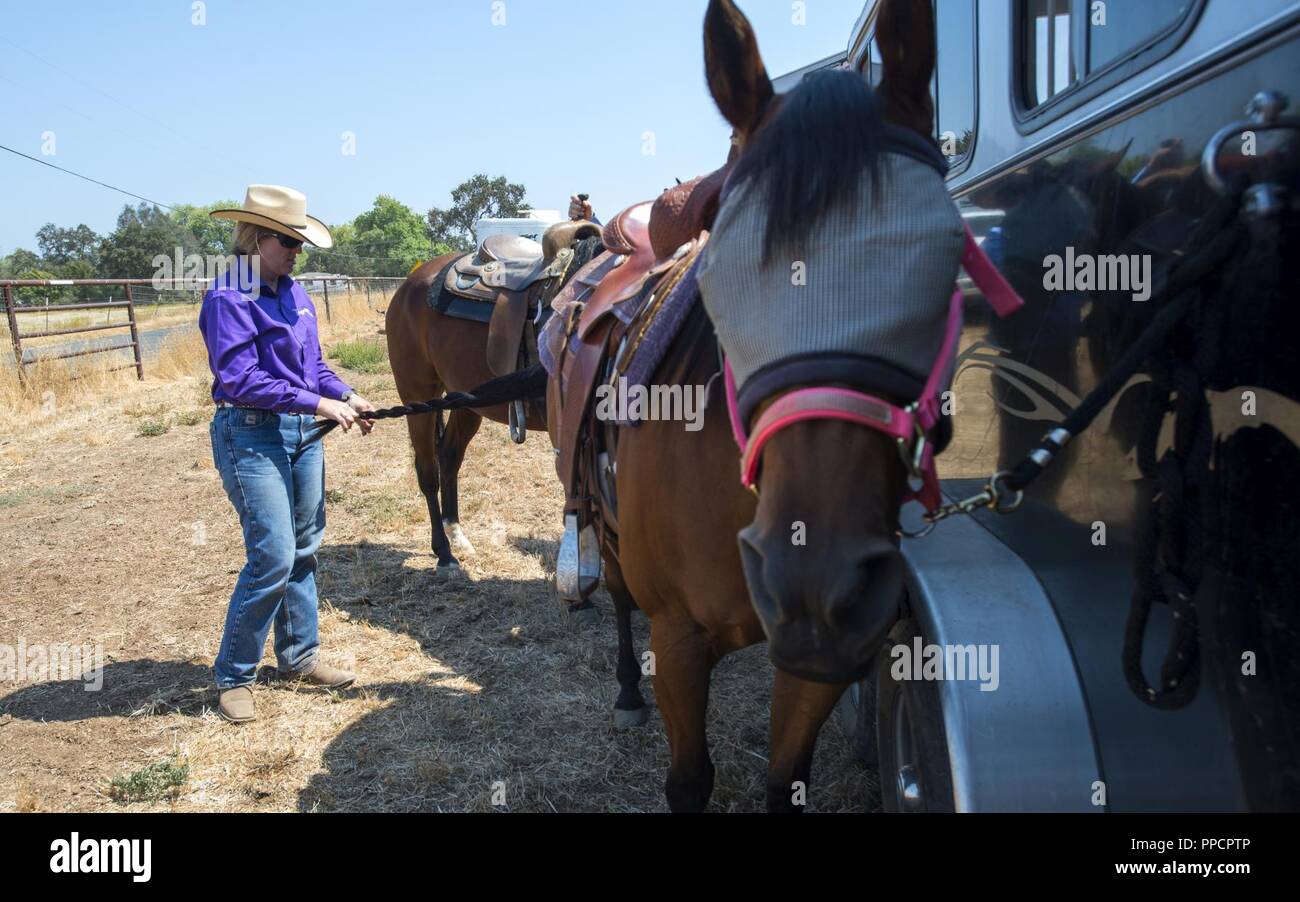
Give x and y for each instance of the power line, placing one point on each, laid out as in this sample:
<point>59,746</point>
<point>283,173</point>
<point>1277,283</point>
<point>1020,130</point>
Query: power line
<point>86,177</point>
<point>92,121</point>
<point>316,250</point>
<point>104,94</point>
<point>173,209</point>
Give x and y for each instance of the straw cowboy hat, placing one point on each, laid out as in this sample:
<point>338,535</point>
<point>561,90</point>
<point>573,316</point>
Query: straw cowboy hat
<point>281,209</point>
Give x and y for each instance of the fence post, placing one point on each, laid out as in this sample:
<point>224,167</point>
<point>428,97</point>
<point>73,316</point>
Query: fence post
<point>13,334</point>
<point>325,283</point>
<point>366,282</point>
<point>135,333</point>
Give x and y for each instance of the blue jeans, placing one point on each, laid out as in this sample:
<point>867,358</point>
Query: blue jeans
<point>278,489</point>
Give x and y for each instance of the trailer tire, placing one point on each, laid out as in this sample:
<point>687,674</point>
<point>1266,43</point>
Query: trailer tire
<point>856,712</point>
<point>915,774</point>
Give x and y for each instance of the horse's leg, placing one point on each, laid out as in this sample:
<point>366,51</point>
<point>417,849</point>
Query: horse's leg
<point>630,709</point>
<point>461,428</point>
<point>799,708</point>
<point>424,442</point>
<point>683,661</point>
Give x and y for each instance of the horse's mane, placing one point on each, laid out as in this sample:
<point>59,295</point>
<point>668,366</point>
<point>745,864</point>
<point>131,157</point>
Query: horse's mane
<point>810,157</point>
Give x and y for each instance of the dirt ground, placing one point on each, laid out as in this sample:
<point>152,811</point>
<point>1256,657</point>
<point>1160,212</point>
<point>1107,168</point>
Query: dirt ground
<point>472,689</point>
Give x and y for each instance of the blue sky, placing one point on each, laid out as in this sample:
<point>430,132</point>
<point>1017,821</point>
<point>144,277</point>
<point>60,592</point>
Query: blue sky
<point>561,98</point>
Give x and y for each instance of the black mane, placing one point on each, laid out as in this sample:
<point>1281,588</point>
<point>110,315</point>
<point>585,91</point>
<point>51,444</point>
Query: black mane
<point>826,136</point>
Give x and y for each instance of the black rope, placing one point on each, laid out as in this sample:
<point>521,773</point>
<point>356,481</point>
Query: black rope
<point>523,385</point>
<point>1169,535</point>
<point>1215,240</point>
<point>520,386</point>
<point>1167,558</point>
<point>1169,540</point>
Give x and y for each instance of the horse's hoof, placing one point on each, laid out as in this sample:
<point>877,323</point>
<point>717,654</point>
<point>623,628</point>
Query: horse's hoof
<point>630,720</point>
<point>460,543</point>
<point>448,568</point>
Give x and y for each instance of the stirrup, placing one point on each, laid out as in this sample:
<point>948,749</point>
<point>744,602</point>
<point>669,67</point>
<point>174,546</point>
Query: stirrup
<point>518,422</point>
<point>577,566</point>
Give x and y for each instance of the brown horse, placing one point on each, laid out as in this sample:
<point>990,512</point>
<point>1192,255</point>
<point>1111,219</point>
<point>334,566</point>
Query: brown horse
<point>431,354</point>
<point>826,603</point>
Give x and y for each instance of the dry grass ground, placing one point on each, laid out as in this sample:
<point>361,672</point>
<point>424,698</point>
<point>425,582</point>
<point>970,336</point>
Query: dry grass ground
<point>118,533</point>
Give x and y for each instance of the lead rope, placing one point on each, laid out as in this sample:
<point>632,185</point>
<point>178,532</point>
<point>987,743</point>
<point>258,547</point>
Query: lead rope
<point>1167,557</point>
<point>529,383</point>
<point>1215,240</point>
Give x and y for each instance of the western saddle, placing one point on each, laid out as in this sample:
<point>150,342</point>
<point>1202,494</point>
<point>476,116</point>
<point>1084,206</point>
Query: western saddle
<point>519,277</point>
<point>604,309</point>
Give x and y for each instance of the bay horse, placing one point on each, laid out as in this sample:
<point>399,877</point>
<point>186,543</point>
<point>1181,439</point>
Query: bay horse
<point>430,354</point>
<point>828,603</point>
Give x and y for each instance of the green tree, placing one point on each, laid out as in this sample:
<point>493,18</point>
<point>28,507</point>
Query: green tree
<point>60,247</point>
<point>478,198</point>
<point>386,240</point>
<point>21,259</point>
<point>339,260</point>
<point>79,269</point>
<point>143,232</point>
<point>393,236</point>
<point>212,237</point>
<point>39,296</point>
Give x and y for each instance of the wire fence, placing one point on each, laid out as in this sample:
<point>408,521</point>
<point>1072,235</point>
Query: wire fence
<point>69,307</point>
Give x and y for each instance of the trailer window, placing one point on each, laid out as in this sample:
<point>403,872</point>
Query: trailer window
<point>1064,44</point>
<point>874,65</point>
<point>1049,54</point>
<point>1116,27</point>
<point>954,89</point>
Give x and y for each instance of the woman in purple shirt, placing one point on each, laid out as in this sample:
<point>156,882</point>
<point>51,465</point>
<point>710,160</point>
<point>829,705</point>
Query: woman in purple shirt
<point>270,381</point>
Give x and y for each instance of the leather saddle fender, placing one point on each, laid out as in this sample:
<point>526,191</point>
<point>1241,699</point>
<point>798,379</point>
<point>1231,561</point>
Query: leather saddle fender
<point>506,331</point>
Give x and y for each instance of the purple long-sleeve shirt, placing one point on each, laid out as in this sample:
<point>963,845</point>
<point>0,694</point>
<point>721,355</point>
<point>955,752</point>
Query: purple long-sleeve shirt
<point>264,351</point>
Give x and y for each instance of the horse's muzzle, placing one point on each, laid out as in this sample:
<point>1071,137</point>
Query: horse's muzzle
<point>825,615</point>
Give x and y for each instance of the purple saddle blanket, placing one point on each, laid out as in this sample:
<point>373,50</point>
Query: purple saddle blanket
<point>654,345</point>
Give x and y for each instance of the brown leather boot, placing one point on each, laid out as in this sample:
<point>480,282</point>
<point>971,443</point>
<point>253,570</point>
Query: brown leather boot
<point>236,705</point>
<point>321,676</point>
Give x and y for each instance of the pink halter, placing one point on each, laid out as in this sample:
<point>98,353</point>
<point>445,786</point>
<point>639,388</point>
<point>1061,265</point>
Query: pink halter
<point>911,426</point>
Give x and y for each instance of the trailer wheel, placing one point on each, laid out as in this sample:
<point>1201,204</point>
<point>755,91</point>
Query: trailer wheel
<point>856,712</point>
<point>915,775</point>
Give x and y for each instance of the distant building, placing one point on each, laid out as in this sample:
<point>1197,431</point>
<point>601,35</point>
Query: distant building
<point>317,280</point>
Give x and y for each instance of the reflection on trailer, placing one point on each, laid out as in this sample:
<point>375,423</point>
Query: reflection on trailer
<point>1070,134</point>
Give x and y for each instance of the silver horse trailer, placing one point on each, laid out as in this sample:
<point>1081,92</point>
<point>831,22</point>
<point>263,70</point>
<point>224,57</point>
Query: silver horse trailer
<point>1081,128</point>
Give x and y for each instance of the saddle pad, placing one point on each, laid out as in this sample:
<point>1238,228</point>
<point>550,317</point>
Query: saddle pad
<point>663,327</point>
<point>448,304</point>
<point>551,340</point>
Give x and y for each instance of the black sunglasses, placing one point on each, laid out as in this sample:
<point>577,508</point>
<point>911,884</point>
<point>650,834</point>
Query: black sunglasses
<point>286,242</point>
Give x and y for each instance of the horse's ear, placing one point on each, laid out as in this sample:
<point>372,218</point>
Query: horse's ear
<point>905,36</point>
<point>1108,163</point>
<point>737,77</point>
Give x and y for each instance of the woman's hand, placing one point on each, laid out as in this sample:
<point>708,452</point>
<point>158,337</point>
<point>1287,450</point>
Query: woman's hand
<point>339,412</point>
<point>579,208</point>
<point>361,405</point>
